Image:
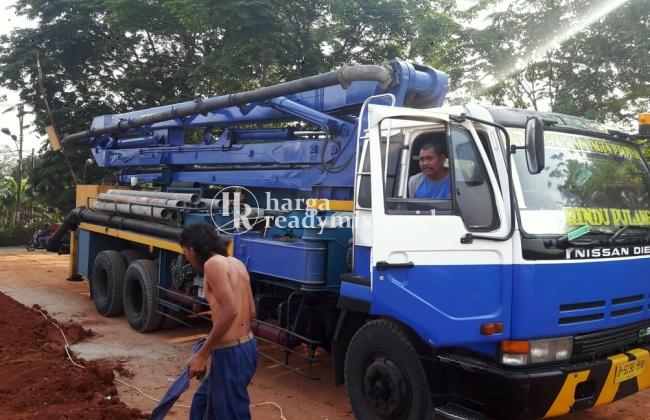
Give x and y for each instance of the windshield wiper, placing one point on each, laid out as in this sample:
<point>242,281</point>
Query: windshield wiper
<point>614,238</point>
<point>643,237</point>
<point>611,239</point>
<point>570,238</point>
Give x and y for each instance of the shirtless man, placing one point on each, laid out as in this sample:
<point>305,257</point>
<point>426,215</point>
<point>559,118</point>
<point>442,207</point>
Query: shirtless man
<point>223,394</point>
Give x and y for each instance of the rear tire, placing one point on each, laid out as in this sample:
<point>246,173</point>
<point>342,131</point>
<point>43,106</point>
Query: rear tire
<point>131,255</point>
<point>106,283</point>
<point>141,296</point>
<point>384,378</point>
<point>167,322</point>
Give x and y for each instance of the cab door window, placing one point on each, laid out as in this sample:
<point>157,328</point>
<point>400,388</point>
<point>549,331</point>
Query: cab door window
<point>473,195</point>
<point>402,174</point>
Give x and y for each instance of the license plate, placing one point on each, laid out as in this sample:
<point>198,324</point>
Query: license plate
<point>201,293</point>
<point>629,370</point>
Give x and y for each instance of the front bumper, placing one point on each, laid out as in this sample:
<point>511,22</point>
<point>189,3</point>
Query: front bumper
<point>540,392</point>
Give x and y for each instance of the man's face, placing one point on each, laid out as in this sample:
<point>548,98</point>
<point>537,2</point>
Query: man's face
<point>431,164</point>
<point>190,256</point>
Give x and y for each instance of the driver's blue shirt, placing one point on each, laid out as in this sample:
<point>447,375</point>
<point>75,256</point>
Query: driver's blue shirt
<point>434,190</point>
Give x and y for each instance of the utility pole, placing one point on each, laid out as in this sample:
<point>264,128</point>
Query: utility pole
<point>20,162</point>
<point>31,200</point>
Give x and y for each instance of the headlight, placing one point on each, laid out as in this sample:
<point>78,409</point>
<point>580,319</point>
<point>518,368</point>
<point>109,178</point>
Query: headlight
<point>519,353</point>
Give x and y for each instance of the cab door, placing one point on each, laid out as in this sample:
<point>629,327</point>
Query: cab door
<point>442,267</point>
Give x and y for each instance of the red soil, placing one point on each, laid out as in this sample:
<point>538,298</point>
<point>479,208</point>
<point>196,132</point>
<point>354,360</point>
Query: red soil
<point>38,378</point>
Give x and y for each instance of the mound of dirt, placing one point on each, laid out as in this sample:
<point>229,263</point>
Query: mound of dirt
<point>38,380</point>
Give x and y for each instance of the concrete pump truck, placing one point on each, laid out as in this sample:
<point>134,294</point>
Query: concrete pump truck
<point>524,295</point>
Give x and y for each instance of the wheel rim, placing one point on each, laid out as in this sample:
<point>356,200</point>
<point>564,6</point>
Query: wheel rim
<point>386,386</point>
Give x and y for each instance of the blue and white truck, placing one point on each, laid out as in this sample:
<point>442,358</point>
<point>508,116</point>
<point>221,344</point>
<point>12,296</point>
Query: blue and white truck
<point>525,295</point>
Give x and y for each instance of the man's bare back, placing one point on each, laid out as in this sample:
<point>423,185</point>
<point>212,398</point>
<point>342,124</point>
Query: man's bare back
<point>226,283</point>
<point>228,291</point>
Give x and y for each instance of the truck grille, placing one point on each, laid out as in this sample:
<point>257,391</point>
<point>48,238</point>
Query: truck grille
<point>613,340</point>
<point>572,313</point>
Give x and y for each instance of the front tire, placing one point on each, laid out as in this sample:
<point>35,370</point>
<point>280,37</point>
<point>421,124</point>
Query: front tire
<point>31,246</point>
<point>383,375</point>
<point>141,296</point>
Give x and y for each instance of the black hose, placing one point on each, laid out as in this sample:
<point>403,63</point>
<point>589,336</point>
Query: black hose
<point>53,243</point>
<point>120,222</point>
<point>169,232</point>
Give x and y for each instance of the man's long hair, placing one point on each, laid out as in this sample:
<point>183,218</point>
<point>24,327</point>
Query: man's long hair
<point>203,238</point>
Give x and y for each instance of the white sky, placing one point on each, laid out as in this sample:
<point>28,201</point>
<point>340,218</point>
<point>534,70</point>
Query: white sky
<point>31,140</point>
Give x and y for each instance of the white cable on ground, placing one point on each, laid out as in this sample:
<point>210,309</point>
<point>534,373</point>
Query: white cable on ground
<point>277,405</point>
<point>67,346</point>
<point>151,398</point>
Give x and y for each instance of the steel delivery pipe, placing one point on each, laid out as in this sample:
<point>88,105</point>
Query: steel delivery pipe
<point>117,198</point>
<point>135,210</point>
<point>191,198</point>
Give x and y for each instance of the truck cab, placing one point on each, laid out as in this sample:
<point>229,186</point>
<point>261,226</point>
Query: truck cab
<point>528,281</point>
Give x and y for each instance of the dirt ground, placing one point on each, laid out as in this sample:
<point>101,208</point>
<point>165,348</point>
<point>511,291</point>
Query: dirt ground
<point>125,372</point>
<point>148,362</point>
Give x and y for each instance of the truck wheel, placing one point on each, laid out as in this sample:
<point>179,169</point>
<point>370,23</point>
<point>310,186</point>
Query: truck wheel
<point>131,255</point>
<point>383,375</point>
<point>170,323</point>
<point>141,296</point>
<point>106,283</point>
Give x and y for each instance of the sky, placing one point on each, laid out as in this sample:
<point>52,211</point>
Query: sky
<point>31,140</point>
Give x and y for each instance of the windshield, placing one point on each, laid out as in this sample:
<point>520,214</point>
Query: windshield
<point>586,181</point>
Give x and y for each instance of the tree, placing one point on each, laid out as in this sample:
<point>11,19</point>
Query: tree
<point>7,160</point>
<point>572,56</point>
<point>8,196</point>
<point>102,57</point>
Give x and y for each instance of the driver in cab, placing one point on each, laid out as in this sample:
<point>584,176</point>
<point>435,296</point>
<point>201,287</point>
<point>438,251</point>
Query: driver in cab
<point>433,182</point>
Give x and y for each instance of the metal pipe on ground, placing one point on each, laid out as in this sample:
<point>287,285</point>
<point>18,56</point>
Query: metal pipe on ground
<point>135,210</point>
<point>192,198</point>
<point>126,199</point>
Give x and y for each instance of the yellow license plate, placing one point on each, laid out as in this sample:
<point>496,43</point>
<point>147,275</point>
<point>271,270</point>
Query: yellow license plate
<point>629,370</point>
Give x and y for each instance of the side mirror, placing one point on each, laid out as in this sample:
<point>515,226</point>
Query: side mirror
<point>535,145</point>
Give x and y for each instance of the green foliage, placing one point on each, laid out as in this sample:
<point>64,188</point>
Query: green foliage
<point>15,236</point>
<point>102,57</point>
<point>572,56</point>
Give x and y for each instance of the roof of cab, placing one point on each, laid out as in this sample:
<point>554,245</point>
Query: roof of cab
<point>518,117</point>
